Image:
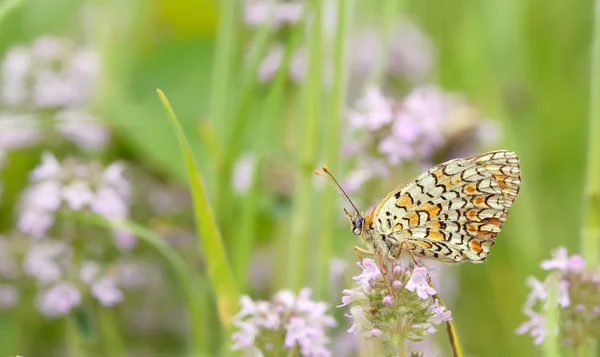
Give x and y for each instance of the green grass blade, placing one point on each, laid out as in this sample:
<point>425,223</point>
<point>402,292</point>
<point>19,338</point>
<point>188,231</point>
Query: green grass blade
<point>333,130</point>
<point>297,248</point>
<point>176,264</point>
<point>590,240</point>
<point>7,7</point>
<point>218,268</point>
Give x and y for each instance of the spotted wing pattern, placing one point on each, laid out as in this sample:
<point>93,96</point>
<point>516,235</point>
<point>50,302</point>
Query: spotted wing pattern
<point>452,212</point>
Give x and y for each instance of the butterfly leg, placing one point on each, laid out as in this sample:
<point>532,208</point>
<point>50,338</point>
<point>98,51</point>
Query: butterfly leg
<point>385,273</point>
<point>404,244</point>
<point>359,250</point>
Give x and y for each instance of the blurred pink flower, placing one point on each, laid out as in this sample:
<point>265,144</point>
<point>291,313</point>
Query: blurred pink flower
<point>371,111</point>
<point>47,260</point>
<point>51,77</point>
<point>300,320</point>
<point>257,12</point>
<point>82,129</point>
<point>17,131</point>
<point>243,173</point>
<point>68,185</point>
<point>105,290</point>
<point>9,296</point>
<point>58,300</point>
<point>411,53</point>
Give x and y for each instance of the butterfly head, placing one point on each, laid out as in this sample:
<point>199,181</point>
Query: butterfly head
<point>357,222</point>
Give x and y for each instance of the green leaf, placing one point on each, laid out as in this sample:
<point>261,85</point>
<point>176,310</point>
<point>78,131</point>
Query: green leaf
<point>219,270</point>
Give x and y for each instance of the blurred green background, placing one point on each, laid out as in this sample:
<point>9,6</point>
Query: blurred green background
<point>524,63</point>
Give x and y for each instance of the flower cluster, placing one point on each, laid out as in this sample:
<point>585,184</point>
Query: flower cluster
<point>49,82</point>
<point>578,300</point>
<point>411,52</point>
<point>427,124</point>
<point>286,323</point>
<point>410,313</point>
<point>74,185</point>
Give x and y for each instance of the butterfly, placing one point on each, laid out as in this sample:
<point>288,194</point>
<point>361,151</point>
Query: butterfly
<point>451,213</point>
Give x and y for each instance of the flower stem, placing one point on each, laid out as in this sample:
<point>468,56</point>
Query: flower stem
<point>111,332</point>
<point>452,334</point>
<point>73,338</point>
<point>550,347</point>
<point>591,230</point>
<point>402,351</point>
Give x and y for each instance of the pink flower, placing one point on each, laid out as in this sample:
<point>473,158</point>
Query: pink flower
<point>559,261</point>
<point>105,290</point>
<point>59,299</point>
<point>370,271</point>
<point>418,282</point>
<point>372,111</point>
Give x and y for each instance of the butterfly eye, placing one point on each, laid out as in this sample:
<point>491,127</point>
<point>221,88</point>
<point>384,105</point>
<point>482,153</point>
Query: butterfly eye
<point>357,225</point>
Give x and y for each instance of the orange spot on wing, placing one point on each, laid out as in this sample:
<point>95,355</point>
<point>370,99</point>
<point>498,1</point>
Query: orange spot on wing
<point>413,218</point>
<point>452,182</point>
<point>475,246</point>
<point>405,201</point>
<point>434,224</point>
<point>495,221</point>
<point>501,181</point>
<point>479,201</point>
<point>470,189</point>
<point>472,229</point>
<point>439,175</point>
<point>472,214</point>
<point>423,244</point>
<point>435,235</point>
<point>432,210</point>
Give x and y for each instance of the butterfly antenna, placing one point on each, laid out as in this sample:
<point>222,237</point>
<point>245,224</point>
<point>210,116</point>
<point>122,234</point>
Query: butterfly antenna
<point>333,182</point>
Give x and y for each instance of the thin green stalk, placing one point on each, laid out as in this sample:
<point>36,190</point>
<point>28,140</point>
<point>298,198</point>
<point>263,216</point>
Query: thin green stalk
<point>223,63</point>
<point>591,230</point>
<point>111,333</point>
<point>268,123</point>
<point>177,266</point>
<point>332,131</point>
<point>239,123</point>
<point>590,235</point>
<point>221,86</point>
<point>217,265</point>
<point>247,228</point>
<point>550,345</point>
<point>389,13</point>
<point>74,340</point>
<point>402,350</point>
<point>8,6</point>
<point>455,345</point>
<point>303,204</point>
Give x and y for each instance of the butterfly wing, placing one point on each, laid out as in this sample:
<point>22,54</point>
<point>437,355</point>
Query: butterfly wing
<point>453,212</point>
